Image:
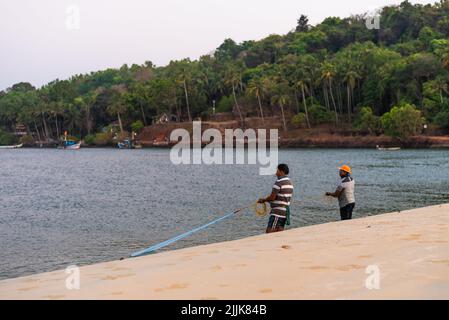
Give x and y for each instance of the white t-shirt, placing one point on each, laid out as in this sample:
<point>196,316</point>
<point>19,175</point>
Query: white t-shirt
<point>347,196</point>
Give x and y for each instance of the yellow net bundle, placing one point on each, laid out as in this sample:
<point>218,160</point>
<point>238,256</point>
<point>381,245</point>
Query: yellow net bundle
<point>260,209</point>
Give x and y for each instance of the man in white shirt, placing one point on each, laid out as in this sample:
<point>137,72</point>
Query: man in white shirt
<point>345,193</point>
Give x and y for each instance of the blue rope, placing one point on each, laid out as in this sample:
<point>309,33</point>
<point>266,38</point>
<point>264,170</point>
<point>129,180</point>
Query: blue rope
<point>182,236</point>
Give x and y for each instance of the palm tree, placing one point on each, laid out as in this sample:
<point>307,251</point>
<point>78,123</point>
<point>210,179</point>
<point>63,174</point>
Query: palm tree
<point>281,97</point>
<point>119,107</point>
<point>310,67</point>
<point>85,104</point>
<point>282,100</point>
<point>25,115</point>
<point>327,74</point>
<point>43,111</point>
<point>350,80</point>
<point>140,93</point>
<point>256,88</point>
<point>184,82</point>
<point>43,108</point>
<point>233,79</point>
<point>56,109</point>
<point>184,75</point>
<point>442,86</point>
<point>35,112</point>
<point>74,119</point>
<point>180,72</point>
<point>302,84</point>
<point>174,96</point>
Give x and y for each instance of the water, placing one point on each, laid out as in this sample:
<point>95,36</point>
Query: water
<point>59,208</point>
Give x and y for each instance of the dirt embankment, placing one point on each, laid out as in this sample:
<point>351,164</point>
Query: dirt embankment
<point>320,137</point>
<point>370,141</point>
<point>160,133</point>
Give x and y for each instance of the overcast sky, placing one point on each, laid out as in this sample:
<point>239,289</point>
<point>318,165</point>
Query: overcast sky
<point>42,40</point>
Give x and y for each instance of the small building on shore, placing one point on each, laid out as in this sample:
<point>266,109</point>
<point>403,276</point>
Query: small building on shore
<point>165,118</point>
<point>21,130</point>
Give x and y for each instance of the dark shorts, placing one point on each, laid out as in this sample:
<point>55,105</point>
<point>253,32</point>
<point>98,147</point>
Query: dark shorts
<point>276,222</point>
<point>346,212</point>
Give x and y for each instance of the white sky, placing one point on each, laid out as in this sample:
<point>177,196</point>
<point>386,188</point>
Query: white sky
<point>36,45</point>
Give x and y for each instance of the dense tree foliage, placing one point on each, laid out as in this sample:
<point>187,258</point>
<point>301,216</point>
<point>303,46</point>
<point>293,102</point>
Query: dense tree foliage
<point>366,121</point>
<point>338,71</point>
<point>402,121</point>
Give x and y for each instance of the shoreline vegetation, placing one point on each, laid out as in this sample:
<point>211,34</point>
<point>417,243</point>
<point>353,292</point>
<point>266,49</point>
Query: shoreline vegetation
<point>370,83</point>
<point>318,263</point>
<point>158,136</point>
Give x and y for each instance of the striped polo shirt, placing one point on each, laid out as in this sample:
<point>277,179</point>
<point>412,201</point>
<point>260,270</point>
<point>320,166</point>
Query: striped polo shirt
<point>283,188</point>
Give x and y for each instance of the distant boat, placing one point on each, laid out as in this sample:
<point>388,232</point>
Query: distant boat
<point>161,142</point>
<point>128,144</point>
<point>75,146</point>
<point>70,145</point>
<point>17,146</point>
<point>125,144</point>
<point>388,149</point>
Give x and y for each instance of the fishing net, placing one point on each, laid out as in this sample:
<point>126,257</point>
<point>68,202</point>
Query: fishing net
<point>321,199</point>
<point>328,200</point>
<point>260,209</point>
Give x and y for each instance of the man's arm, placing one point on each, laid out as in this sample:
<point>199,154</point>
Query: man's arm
<point>336,194</point>
<point>270,198</point>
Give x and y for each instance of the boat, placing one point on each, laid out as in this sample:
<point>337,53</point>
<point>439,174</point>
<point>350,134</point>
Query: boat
<point>125,144</point>
<point>75,146</point>
<point>17,146</point>
<point>161,142</point>
<point>129,144</point>
<point>70,145</point>
<point>388,149</point>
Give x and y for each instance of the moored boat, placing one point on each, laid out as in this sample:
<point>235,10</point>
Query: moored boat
<point>125,144</point>
<point>388,149</point>
<point>128,144</point>
<point>17,146</point>
<point>161,144</point>
<point>70,145</point>
<point>73,146</point>
<point>161,141</point>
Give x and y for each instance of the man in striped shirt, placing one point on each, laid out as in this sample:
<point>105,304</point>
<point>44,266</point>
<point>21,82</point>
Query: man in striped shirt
<point>279,200</point>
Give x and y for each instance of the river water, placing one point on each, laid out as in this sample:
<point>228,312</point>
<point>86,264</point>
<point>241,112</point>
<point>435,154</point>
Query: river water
<point>61,208</point>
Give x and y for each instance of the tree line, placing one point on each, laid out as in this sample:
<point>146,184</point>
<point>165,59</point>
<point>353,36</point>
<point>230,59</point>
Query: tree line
<point>338,72</point>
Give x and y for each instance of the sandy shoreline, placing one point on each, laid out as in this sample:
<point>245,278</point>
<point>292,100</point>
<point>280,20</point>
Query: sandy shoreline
<point>329,261</point>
